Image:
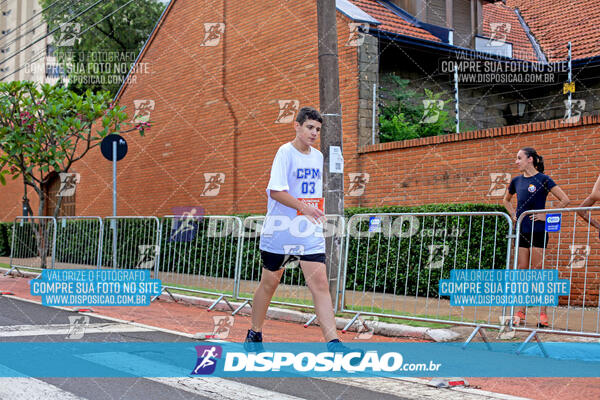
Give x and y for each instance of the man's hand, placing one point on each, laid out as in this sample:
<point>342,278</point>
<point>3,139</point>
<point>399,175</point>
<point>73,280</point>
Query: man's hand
<point>537,217</point>
<point>313,214</point>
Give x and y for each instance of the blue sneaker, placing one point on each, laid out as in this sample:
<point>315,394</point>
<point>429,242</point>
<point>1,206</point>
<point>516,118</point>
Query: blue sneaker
<point>253,342</point>
<point>335,346</point>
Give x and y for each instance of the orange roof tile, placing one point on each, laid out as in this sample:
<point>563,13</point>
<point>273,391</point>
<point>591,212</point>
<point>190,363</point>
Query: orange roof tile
<point>556,22</point>
<point>552,23</point>
<point>498,13</point>
<point>390,22</point>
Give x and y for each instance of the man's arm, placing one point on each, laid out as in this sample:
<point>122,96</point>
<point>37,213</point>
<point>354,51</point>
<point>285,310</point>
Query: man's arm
<point>313,214</point>
<point>590,201</point>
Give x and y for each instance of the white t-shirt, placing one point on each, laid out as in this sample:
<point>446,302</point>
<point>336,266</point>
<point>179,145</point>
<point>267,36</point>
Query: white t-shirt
<point>301,175</point>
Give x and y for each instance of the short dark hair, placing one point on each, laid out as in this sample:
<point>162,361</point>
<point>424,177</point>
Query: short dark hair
<point>308,113</point>
<point>538,161</point>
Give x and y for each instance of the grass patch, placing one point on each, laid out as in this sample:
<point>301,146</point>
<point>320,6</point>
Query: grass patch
<point>376,310</point>
<point>308,310</point>
<point>230,293</point>
<point>7,266</point>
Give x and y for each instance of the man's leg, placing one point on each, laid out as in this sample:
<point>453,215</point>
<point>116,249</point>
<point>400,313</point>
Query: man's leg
<point>262,297</point>
<point>315,275</point>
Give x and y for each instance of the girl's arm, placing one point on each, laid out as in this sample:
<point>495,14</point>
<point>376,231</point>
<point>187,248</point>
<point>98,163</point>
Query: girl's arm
<point>509,207</point>
<point>561,196</point>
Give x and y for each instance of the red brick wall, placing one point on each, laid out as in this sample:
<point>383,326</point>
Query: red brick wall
<point>215,109</point>
<point>215,112</point>
<point>456,168</point>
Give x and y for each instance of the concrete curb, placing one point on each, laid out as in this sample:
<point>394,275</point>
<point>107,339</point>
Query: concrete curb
<point>282,314</point>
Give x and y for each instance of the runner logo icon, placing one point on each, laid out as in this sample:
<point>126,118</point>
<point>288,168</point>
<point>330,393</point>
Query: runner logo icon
<point>207,359</point>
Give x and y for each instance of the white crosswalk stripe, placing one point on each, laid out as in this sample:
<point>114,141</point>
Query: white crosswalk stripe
<point>416,389</point>
<point>222,389</point>
<point>23,388</point>
<point>211,387</point>
<point>65,329</point>
<point>30,388</point>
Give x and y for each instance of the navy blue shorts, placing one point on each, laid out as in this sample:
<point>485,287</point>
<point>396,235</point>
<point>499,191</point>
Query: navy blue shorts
<point>274,262</point>
<point>540,239</point>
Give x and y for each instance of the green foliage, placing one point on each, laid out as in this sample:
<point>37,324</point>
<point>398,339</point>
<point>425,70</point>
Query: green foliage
<point>130,234</point>
<point>210,251</point>
<point>45,129</point>
<point>5,238</point>
<point>403,115</point>
<point>77,241</point>
<point>110,35</point>
<point>25,236</point>
<point>397,260</point>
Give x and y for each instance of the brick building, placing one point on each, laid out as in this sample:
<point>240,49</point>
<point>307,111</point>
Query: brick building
<point>216,81</point>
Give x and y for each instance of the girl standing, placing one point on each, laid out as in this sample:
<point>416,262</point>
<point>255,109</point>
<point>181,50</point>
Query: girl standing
<point>531,188</point>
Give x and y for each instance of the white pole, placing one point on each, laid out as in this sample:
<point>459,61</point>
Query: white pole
<point>456,109</point>
<point>570,77</point>
<point>114,221</point>
<point>374,112</point>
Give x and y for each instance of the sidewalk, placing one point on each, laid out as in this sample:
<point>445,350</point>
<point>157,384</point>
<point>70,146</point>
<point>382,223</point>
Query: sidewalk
<point>191,319</point>
<point>567,318</point>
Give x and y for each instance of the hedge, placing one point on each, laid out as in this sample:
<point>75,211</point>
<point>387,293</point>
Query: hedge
<point>399,269</point>
<point>5,238</point>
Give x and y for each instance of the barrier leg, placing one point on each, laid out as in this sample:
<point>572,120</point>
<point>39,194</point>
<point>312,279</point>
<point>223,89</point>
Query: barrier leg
<point>14,269</point>
<point>532,335</point>
<point>310,321</point>
<point>221,297</point>
<point>478,329</point>
<point>349,324</point>
<point>244,304</point>
<point>164,289</point>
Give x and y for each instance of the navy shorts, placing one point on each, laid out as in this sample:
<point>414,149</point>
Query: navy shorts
<point>274,262</point>
<point>540,239</point>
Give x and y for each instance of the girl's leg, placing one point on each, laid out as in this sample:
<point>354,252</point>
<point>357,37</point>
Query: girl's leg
<point>537,258</point>
<point>523,263</point>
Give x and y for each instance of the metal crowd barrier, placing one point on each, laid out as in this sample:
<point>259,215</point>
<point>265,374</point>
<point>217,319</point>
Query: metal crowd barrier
<point>394,263</point>
<point>131,243</point>
<point>79,242</point>
<point>33,243</point>
<point>573,251</point>
<point>292,290</point>
<point>200,254</point>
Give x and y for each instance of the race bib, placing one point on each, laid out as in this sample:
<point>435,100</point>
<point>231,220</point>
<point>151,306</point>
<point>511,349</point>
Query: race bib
<point>316,202</point>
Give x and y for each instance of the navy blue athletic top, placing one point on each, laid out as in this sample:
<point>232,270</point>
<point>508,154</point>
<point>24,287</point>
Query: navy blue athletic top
<point>531,195</point>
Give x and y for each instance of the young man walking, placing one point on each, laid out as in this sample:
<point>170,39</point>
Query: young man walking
<point>293,229</point>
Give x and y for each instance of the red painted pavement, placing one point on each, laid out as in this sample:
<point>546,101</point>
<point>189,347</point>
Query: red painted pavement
<point>193,319</point>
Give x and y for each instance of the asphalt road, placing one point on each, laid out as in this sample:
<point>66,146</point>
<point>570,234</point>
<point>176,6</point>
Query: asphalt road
<point>23,321</point>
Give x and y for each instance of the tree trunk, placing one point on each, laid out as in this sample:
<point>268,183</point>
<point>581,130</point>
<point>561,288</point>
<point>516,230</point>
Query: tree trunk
<point>41,231</point>
<point>57,207</point>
